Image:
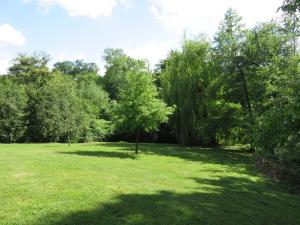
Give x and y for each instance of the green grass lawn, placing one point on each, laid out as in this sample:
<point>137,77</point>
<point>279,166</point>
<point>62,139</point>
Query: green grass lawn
<point>105,183</point>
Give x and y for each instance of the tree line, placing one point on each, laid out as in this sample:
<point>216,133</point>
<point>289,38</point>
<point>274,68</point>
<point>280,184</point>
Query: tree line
<point>242,87</point>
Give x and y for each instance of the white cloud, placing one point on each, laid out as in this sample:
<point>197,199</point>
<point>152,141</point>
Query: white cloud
<point>89,8</point>
<point>204,16</point>
<point>6,57</point>
<point>9,35</point>
<point>10,42</point>
<point>4,64</point>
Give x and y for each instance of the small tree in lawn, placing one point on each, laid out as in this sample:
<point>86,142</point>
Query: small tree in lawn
<point>139,109</point>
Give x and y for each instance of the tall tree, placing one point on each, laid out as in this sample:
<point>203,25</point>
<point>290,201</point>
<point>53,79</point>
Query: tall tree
<point>231,65</point>
<point>117,66</point>
<point>13,101</point>
<point>59,113</point>
<point>139,109</point>
<point>291,20</point>
<point>272,82</point>
<point>96,105</point>
<point>30,69</point>
<point>185,81</point>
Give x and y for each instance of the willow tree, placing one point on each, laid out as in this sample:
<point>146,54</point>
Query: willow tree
<point>139,109</point>
<point>185,80</point>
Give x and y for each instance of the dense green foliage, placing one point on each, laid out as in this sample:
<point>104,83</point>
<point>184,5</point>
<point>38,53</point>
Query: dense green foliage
<point>12,110</point>
<point>106,183</point>
<point>76,68</point>
<point>118,64</point>
<point>58,111</point>
<point>240,88</point>
<point>139,109</point>
<point>51,106</point>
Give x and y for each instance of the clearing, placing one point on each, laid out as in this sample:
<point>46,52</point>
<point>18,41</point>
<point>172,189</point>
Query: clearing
<point>105,183</point>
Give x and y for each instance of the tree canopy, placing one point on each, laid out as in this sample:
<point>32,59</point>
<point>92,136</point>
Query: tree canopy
<point>139,108</point>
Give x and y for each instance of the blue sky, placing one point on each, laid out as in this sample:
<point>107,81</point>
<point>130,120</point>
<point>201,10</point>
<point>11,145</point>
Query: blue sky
<point>82,29</point>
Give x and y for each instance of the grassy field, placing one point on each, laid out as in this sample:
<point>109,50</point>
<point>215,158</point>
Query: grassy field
<point>105,183</point>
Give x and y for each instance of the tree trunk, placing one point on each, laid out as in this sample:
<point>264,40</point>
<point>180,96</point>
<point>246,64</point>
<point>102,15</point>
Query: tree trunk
<point>294,32</point>
<point>213,140</point>
<point>137,142</point>
<point>247,99</point>
<point>68,135</point>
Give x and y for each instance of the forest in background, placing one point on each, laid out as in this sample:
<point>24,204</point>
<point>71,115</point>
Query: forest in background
<point>243,87</point>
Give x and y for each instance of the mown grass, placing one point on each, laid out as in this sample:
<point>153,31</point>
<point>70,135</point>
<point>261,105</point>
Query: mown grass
<point>105,183</point>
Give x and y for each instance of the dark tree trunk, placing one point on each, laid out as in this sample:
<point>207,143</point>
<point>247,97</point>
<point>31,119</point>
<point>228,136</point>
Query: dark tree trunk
<point>294,32</point>
<point>68,135</point>
<point>247,99</point>
<point>246,93</point>
<point>137,142</point>
<point>213,140</point>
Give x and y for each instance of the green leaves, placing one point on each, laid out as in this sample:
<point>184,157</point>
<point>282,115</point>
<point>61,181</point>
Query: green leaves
<point>12,111</point>
<point>118,64</point>
<point>138,107</point>
<point>30,69</point>
<point>79,67</point>
<point>57,108</point>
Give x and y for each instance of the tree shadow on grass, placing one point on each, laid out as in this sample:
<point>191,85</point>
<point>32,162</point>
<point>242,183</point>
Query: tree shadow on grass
<point>237,160</point>
<point>223,201</point>
<point>116,154</point>
<point>216,200</point>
